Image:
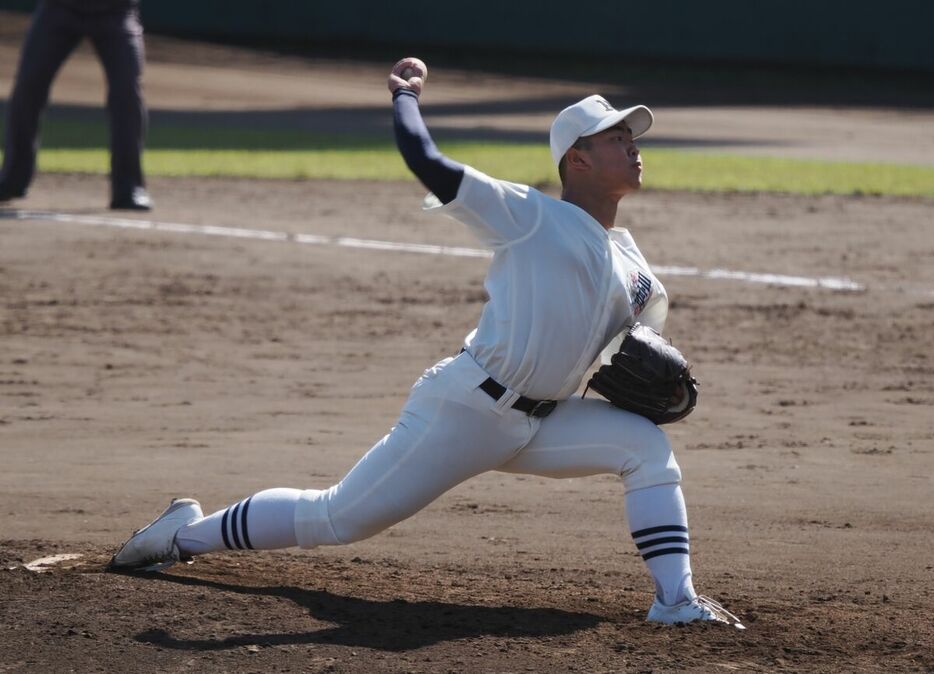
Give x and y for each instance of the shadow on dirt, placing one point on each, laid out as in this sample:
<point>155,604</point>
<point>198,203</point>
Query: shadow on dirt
<point>396,625</point>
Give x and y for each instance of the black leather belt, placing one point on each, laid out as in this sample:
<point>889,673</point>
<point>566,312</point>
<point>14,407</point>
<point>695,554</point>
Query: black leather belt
<point>534,408</point>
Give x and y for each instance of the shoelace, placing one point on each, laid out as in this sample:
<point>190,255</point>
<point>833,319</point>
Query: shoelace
<point>152,560</point>
<point>159,561</point>
<point>717,608</point>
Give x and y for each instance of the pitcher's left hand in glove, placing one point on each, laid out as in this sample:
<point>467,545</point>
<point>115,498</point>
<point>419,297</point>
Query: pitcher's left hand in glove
<point>648,376</point>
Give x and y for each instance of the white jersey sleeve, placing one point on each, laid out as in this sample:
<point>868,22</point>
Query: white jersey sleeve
<point>498,212</point>
<point>645,294</point>
<point>655,316</point>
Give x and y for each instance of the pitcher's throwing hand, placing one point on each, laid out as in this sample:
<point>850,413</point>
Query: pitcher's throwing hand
<point>409,73</point>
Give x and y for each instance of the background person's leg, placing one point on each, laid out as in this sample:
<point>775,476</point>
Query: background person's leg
<point>118,40</point>
<point>53,35</point>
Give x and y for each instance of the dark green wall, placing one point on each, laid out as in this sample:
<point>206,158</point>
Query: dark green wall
<point>894,34</point>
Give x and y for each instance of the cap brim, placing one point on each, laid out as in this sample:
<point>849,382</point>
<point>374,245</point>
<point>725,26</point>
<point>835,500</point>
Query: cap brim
<point>639,118</point>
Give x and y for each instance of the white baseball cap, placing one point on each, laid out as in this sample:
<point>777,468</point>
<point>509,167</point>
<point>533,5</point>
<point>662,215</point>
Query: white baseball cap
<point>593,115</point>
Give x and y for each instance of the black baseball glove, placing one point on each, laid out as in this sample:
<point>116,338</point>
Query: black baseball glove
<point>648,376</point>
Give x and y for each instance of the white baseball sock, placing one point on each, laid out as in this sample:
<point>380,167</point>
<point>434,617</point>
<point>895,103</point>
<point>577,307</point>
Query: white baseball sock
<point>658,522</point>
<point>264,521</point>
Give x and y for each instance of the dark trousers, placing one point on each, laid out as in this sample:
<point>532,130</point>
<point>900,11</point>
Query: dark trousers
<point>55,31</point>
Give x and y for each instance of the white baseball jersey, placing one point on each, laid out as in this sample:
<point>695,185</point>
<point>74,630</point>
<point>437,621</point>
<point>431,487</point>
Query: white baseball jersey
<point>561,286</point>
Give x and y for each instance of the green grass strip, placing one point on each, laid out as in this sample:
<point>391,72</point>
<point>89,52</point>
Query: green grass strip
<point>77,146</point>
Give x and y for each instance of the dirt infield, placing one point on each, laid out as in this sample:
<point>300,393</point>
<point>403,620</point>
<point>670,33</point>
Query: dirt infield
<point>137,365</point>
<point>140,365</point>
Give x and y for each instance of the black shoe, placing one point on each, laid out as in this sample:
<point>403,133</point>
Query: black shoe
<point>137,200</point>
<point>7,193</point>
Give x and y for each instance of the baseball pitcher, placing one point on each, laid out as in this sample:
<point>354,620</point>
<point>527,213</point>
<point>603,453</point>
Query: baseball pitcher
<point>564,284</point>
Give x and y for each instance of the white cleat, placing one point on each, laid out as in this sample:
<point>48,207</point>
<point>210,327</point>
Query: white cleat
<point>700,608</point>
<point>153,547</point>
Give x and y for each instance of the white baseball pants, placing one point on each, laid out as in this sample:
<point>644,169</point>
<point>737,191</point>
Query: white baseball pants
<point>451,430</point>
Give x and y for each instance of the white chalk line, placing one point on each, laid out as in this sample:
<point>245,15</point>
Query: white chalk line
<point>822,282</point>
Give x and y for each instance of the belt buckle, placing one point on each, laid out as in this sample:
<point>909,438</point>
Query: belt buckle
<point>543,408</point>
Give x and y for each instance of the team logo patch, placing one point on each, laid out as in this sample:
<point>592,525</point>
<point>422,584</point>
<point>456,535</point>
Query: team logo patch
<point>640,290</point>
<point>605,104</point>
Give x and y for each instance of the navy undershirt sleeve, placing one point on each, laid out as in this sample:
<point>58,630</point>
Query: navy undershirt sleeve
<point>442,176</point>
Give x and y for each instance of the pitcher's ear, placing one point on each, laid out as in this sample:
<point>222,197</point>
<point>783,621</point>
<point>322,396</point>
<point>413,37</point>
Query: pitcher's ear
<point>576,160</point>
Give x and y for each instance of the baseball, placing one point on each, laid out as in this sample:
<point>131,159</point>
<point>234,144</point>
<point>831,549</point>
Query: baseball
<point>413,67</point>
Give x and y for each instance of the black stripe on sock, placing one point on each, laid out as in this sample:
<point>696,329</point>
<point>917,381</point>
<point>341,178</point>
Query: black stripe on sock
<point>224,529</point>
<point>659,530</point>
<point>246,536</point>
<point>666,539</point>
<point>233,526</point>
<point>666,551</point>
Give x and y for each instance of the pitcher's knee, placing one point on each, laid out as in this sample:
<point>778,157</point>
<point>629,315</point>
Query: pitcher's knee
<point>313,525</point>
<point>653,464</point>
<point>320,521</point>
